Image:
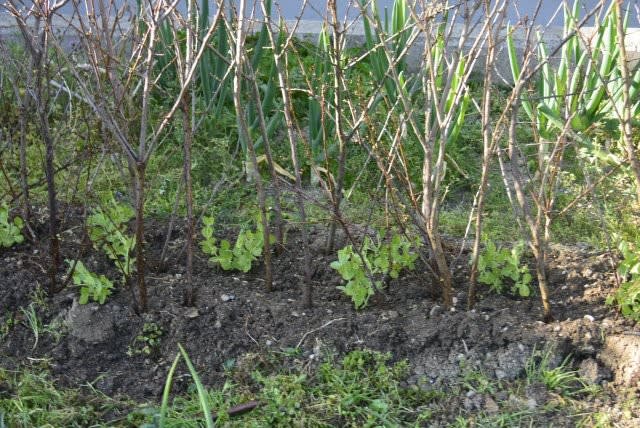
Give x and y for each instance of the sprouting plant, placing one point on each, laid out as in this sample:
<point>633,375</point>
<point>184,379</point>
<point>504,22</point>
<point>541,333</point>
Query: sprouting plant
<point>497,264</point>
<point>369,268</point>
<point>33,322</point>
<point>107,231</point>
<point>352,269</point>
<point>94,287</point>
<point>247,248</point>
<point>627,297</point>
<point>561,378</point>
<point>203,396</point>
<point>6,325</point>
<point>10,231</point>
<point>146,342</point>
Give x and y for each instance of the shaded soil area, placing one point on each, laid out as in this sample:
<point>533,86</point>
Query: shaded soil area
<point>235,316</point>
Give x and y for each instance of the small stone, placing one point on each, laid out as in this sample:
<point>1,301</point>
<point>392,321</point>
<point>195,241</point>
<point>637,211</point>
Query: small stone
<point>589,318</point>
<point>455,300</point>
<point>191,313</point>
<point>295,314</point>
<point>556,328</point>
<point>392,314</point>
<point>500,374</point>
<point>435,311</point>
<point>227,297</point>
<point>269,342</point>
<point>532,403</point>
<point>490,406</point>
<point>589,370</point>
<point>467,404</point>
<point>217,324</point>
<point>178,275</point>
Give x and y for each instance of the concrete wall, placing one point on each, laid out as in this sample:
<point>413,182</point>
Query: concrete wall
<point>315,9</point>
<point>309,30</point>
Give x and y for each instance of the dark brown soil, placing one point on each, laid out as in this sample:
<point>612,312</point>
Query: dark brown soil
<point>234,315</point>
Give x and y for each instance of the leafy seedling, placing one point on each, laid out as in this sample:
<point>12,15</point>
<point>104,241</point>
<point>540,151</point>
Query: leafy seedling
<point>627,297</point>
<point>148,341</point>
<point>10,231</point>
<point>366,271</point>
<point>247,248</point>
<point>496,265</point>
<point>92,286</point>
<point>107,230</point>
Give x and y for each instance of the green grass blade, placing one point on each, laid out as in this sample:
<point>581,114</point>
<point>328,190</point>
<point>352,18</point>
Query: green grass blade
<point>202,393</point>
<point>164,406</point>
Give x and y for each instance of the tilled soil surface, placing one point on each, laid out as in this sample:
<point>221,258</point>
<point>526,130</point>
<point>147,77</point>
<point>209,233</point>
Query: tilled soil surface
<point>234,316</point>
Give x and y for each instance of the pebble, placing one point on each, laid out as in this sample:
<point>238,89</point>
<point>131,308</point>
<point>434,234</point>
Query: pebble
<point>490,406</point>
<point>589,318</point>
<point>192,313</point>
<point>227,297</point>
<point>435,311</point>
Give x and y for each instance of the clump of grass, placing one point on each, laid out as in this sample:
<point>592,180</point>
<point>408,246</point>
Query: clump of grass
<point>560,378</point>
<point>363,389</point>
<point>29,398</point>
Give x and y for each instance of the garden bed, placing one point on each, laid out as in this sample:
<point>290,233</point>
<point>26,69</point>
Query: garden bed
<point>235,319</point>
